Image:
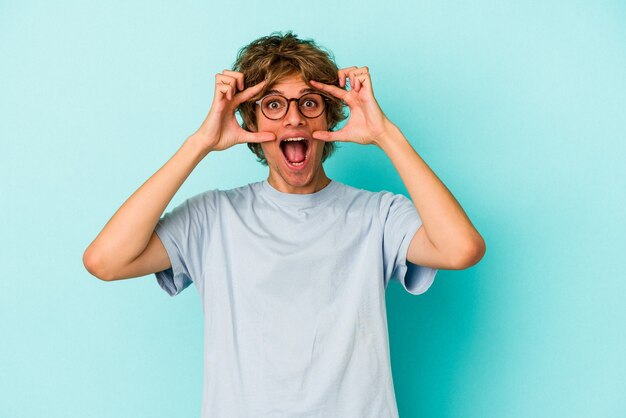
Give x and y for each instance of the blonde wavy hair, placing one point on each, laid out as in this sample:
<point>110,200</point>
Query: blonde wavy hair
<point>276,56</point>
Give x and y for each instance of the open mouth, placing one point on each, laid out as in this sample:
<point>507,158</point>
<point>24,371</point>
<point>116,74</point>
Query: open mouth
<point>295,150</point>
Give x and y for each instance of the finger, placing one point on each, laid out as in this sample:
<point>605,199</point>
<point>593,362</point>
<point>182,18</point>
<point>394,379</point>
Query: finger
<point>329,136</point>
<point>360,77</point>
<point>355,80</point>
<point>364,81</point>
<point>343,73</point>
<point>222,89</point>
<point>248,93</point>
<point>257,137</point>
<point>360,82</point>
<point>225,84</point>
<point>225,79</point>
<point>237,76</point>
<point>364,77</point>
<point>330,89</point>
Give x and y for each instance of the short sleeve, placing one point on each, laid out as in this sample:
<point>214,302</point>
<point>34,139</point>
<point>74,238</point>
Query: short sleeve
<point>400,222</point>
<point>184,233</point>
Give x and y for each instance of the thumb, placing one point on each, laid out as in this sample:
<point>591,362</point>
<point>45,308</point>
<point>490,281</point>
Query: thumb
<point>247,136</point>
<point>328,136</point>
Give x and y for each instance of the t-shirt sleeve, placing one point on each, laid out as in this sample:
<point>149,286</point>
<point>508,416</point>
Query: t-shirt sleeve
<point>400,222</point>
<point>184,233</point>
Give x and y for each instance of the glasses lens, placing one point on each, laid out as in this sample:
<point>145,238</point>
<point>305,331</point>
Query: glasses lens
<point>311,105</point>
<point>274,107</point>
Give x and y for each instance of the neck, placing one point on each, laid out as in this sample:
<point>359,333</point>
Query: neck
<point>314,186</point>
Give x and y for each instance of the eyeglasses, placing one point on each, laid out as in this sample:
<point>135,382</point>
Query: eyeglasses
<point>275,106</point>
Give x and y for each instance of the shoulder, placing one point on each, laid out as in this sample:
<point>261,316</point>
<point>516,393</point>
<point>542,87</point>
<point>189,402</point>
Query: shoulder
<point>354,192</point>
<point>374,202</point>
<point>385,206</point>
<point>209,200</point>
<point>379,198</point>
<point>244,192</point>
<point>237,198</point>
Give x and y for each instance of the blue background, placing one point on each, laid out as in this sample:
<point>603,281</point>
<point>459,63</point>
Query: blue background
<point>519,107</point>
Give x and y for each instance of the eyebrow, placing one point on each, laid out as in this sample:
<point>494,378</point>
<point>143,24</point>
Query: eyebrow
<point>274,91</point>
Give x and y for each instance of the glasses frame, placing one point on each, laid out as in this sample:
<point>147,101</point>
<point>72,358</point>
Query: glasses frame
<point>294,99</point>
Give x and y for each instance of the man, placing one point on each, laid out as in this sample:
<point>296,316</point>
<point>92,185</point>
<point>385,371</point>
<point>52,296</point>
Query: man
<point>291,271</point>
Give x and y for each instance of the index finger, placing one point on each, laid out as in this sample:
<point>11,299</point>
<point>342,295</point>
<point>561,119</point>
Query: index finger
<point>248,93</point>
<point>236,75</point>
<point>327,88</point>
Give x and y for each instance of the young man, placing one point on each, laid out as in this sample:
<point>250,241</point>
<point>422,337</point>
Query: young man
<point>292,270</point>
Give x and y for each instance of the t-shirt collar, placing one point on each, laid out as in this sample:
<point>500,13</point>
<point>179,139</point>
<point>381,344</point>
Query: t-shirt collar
<point>317,197</point>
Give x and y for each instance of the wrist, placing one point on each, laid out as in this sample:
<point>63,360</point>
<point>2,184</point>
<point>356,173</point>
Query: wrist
<point>197,146</point>
<point>391,134</point>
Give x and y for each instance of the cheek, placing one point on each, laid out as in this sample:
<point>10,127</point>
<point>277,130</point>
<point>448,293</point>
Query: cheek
<point>266,149</point>
<point>320,147</point>
<point>321,125</point>
<point>264,125</point>
<point>270,152</point>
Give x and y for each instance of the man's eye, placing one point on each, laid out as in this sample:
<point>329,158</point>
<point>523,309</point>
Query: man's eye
<point>273,104</point>
<point>309,103</point>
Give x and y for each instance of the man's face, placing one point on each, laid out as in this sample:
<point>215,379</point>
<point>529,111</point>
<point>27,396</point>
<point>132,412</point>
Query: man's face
<point>295,166</point>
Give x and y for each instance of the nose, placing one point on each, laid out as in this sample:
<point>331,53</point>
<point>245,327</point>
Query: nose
<point>293,116</point>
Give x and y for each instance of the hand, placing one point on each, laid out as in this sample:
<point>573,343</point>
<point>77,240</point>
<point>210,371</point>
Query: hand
<point>367,123</point>
<point>220,130</point>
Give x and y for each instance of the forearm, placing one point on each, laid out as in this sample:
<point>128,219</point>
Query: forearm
<point>446,224</point>
<point>127,233</point>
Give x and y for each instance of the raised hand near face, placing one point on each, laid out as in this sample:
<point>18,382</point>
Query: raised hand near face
<point>367,123</point>
<point>220,130</point>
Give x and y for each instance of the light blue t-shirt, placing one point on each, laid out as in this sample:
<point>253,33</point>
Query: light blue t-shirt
<point>293,293</point>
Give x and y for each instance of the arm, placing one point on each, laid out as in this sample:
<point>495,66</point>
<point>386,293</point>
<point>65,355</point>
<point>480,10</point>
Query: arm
<point>127,246</point>
<point>115,253</point>
<point>447,239</point>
